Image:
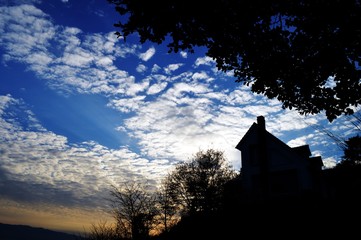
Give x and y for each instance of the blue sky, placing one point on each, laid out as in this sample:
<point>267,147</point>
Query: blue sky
<point>81,109</point>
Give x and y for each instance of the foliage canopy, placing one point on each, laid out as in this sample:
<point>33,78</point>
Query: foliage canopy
<point>305,53</point>
<point>198,185</point>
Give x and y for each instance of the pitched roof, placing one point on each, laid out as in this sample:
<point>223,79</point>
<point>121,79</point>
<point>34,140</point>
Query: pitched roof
<point>248,133</point>
<point>256,128</point>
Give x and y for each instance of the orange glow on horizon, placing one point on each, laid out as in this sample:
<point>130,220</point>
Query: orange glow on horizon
<point>65,219</point>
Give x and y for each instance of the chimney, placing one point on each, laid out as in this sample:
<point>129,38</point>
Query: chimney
<point>261,122</point>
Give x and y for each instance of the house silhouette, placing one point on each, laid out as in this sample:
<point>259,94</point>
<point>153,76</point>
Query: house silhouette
<point>272,171</point>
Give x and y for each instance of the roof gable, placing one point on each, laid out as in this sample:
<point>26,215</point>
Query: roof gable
<point>255,129</point>
<point>246,136</point>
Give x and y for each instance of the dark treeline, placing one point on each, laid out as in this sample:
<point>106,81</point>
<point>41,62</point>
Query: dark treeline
<point>203,199</point>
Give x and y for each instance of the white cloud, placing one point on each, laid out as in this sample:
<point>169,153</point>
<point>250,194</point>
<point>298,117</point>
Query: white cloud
<point>172,67</point>
<point>134,88</point>
<point>80,59</point>
<point>70,31</point>
<point>329,162</point>
<point>104,61</point>
<point>141,68</point>
<point>156,88</point>
<point>204,61</point>
<point>240,96</point>
<point>183,54</point>
<point>39,58</point>
<point>155,68</point>
<point>297,142</point>
<point>148,54</point>
<point>127,104</point>
<point>201,76</point>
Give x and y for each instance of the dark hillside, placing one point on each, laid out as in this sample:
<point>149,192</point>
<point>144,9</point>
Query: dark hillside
<point>21,232</point>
